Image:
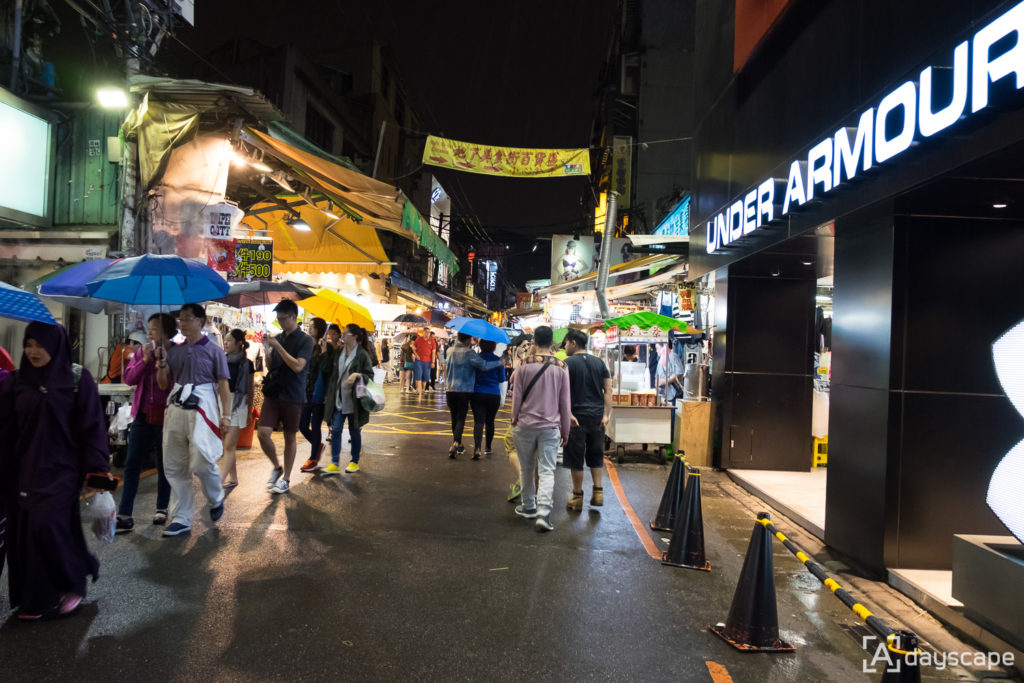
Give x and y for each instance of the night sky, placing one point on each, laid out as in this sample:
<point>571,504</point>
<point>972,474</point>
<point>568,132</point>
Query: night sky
<point>521,74</point>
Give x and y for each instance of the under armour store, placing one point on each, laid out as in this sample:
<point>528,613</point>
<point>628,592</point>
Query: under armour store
<point>864,160</point>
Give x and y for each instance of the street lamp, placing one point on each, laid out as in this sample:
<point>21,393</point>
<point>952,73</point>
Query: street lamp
<point>112,98</point>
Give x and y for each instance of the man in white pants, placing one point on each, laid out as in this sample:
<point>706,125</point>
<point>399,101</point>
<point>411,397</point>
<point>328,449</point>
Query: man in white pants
<point>198,408</point>
<point>541,416</point>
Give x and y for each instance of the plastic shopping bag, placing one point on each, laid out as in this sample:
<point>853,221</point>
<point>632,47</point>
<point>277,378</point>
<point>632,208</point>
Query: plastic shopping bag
<point>370,395</point>
<point>104,516</point>
<point>503,387</point>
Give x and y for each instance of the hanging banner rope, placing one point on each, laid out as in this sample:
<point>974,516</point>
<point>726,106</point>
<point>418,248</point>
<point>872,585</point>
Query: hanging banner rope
<point>510,162</point>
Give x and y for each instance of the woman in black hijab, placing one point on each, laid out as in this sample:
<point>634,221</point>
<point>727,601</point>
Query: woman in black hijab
<point>53,435</point>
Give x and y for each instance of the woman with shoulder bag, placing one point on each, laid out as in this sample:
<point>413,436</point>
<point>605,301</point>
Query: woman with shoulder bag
<point>240,382</point>
<point>147,429</point>
<point>341,405</point>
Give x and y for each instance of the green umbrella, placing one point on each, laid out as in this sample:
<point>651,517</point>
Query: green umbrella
<point>646,321</point>
<point>559,335</point>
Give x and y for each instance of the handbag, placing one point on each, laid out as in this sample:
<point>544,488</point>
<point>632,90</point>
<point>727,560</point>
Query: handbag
<point>370,395</point>
<point>272,383</point>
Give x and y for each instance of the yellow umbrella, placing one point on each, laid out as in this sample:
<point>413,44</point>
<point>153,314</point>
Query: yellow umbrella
<point>334,308</point>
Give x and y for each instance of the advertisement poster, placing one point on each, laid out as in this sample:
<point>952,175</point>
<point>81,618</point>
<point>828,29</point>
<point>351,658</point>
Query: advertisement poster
<point>220,255</point>
<point>571,257</point>
<point>253,261</point>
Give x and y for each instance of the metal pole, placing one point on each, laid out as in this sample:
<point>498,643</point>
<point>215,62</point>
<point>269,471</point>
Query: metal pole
<point>606,250</point>
<point>16,63</point>
<point>380,143</point>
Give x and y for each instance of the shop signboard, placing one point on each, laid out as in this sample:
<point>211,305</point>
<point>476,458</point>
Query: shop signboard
<point>884,131</point>
<point>571,257</point>
<point>253,261</point>
<point>677,222</point>
<point>622,156</point>
<point>635,335</point>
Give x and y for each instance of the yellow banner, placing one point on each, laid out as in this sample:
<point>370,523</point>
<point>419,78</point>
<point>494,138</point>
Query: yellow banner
<point>511,162</point>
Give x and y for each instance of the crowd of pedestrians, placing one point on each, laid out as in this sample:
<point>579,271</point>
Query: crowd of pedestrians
<point>192,399</point>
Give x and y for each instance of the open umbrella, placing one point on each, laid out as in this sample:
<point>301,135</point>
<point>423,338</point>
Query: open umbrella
<point>161,280</point>
<point>521,339</point>
<point>645,320</point>
<point>558,336</point>
<point>263,292</point>
<point>481,329</point>
<point>21,305</point>
<point>68,286</point>
<point>335,308</point>
<point>439,317</point>
<point>410,318</point>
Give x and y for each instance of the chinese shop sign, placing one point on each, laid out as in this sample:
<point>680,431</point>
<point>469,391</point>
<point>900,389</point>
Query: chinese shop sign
<point>253,261</point>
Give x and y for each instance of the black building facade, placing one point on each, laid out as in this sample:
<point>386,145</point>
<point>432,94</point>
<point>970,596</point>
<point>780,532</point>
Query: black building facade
<point>923,235</point>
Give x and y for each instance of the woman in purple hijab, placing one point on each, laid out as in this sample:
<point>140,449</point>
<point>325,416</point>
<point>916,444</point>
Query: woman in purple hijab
<point>55,437</point>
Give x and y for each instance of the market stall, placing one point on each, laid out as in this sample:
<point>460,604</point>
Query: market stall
<point>640,415</point>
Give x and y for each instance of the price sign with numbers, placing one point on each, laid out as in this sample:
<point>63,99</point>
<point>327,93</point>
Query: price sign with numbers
<point>253,261</point>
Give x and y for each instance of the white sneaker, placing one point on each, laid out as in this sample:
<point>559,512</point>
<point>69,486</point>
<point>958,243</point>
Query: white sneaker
<point>280,487</point>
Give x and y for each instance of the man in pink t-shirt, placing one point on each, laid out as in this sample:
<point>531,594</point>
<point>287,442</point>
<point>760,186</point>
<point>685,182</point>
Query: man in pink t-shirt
<point>541,417</point>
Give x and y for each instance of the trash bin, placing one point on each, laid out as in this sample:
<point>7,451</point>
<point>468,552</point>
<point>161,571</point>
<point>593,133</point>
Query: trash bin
<point>245,435</point>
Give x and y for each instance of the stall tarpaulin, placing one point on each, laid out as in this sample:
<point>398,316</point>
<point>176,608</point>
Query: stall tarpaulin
<point>509,162</point>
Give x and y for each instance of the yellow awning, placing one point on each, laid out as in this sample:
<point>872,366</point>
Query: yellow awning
<point>329,246</point>
<point>377,203</point>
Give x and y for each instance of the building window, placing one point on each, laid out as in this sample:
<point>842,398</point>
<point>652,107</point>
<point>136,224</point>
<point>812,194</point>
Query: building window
<point>319,130</point>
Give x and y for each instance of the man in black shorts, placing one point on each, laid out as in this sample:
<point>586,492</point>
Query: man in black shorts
<point>284,391</point>
<point>590,391</point>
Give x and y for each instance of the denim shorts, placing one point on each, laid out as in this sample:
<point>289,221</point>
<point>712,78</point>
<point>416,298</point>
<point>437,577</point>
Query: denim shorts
<point>422,371</point>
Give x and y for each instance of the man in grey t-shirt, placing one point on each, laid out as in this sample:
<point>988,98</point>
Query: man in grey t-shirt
<point>284,391</point>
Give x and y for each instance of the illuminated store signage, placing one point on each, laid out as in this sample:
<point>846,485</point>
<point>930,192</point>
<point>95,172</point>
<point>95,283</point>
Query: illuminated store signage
<point>1008,478</point>
<point>909,109</point>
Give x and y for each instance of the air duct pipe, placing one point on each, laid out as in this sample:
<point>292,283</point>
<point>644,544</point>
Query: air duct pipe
<point>606,253</point>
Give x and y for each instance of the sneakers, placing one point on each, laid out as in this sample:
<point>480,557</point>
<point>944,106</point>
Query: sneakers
<point>487,453</point>
<point>330,469</point>
<point>176,529</point>
<point>124,525</point>
<point>527,514</point>
<point>310,465</point>
<point>160,518</point>
<point>575,502</point>
<point>597,500</point>
<point>280,487</point>
<point>453,450</point>
<point>543,523</point>
<point>352,467</point>
<point>217,511</point>
<point>476,454</point>
<point>274,476</point>
<point>517,490</point>
<point>69,602</point>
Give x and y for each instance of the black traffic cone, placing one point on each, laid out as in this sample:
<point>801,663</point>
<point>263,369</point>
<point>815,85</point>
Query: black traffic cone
<point>665,520</point>
<point>753,621</point>
<point>903,668</point>
<point>687,546</point>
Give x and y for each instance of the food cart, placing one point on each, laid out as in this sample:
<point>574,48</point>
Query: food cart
<point>640,415</point>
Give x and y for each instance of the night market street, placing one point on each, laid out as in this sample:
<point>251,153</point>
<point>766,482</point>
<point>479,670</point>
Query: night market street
<point>415,568</point>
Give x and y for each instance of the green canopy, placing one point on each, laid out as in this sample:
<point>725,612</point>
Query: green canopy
<point>646,321</point>
<point>559,335</point>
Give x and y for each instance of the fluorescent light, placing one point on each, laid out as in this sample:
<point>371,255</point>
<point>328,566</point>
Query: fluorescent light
<point>999,206</point>
<point>260,166</point>
<point>300,225</point>
<point>112,98</point>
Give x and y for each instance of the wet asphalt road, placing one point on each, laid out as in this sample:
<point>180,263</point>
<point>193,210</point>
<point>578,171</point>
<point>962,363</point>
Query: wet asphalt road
<point>415,568</point>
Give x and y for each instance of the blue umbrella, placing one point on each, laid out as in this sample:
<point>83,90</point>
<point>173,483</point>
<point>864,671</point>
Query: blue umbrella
<point>481,329</point>
<point>68,286</point>
<point>158,280</point>
<point>21,305</point>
